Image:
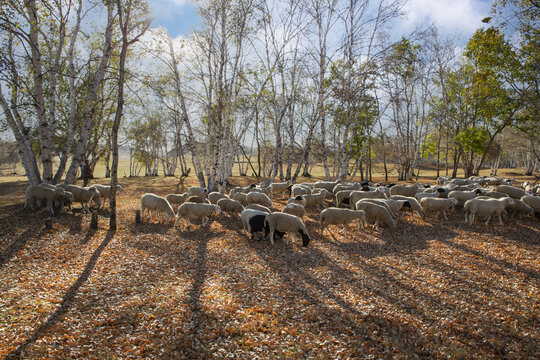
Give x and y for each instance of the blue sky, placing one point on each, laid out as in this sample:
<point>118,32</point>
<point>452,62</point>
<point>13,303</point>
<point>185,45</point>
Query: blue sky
<point>179,17</point>
<point>461,17</point>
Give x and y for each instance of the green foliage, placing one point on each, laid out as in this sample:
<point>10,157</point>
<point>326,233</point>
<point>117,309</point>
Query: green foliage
<point>429,147</point>
<point>473,139</point>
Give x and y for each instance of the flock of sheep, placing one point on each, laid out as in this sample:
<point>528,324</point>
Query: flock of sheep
<point>485,197</point>
<point>369,203</point>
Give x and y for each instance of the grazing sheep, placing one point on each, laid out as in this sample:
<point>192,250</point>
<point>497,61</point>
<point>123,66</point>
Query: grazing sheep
<point>84,196</point>
<point>177,199</point>
<point>105,191</point>
<point>358,195</point>
<point>255,228</point>
<point>376,213</point>
<point>513,192</point>
<point>153,202</point>
<point>347,186</point>
<point>462,196</point>
<point>496,195</point>
<point>215,196</point>
<point>532,201</point>
<point>486,207</point>
<point>294,209</point>
<point>421,195</point>
<point>240,189</point>
<point>343,196</point>
<point>300,200</point>
<point>197,199</point>
<point>43,194</point>
<point>285,223</point>
<point>307,184</point>
<point>520,208</point>
<point>258,207</point>
<point>280,187</point>
<point>383,203</point>
<point>258,198</point>
<point>438,205</point>
<point>404,190</point>
<point>240,197</point>
<point>317,199</point>
<point>61,201</point>
<point>531,188</point>
<point>201,211</point>
<point>299,189</point>
<point>337,216</point>
<point>230,206</point>
<point>197,191</point>
<point>328,185</point>
<point>265,190</point>
<point>414,204</point>
<point>253,222</point>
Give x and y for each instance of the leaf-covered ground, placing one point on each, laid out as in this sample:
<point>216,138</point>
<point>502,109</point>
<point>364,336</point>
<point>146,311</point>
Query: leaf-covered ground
<point>426,289</point>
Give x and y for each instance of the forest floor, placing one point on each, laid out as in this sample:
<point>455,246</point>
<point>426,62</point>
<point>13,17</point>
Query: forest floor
<point>425,289</point>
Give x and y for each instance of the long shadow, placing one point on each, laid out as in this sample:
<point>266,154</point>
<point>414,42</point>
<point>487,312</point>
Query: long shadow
<point>18,244</point>
<point>66,302</point>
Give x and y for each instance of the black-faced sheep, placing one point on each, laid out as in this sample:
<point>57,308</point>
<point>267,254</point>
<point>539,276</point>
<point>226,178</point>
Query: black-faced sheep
<point>285,223</point>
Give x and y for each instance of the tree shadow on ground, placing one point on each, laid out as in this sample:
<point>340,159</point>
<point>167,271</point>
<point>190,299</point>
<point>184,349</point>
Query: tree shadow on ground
<point>65,304</point>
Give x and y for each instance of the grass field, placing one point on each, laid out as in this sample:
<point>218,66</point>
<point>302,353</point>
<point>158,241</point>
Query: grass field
<point>425,289</point>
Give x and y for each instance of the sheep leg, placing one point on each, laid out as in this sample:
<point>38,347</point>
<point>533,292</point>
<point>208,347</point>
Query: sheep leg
<point>205,221</point>
<point>500,220</point>
<point>272,236</point>
<point>444,213</point>
<point>487,221</point>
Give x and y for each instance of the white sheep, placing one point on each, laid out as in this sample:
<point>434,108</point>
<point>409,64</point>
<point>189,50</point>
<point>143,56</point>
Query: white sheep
<point>376,213</point>
<point>105,191</point>
<point>281,222</point>
<point>438,205</point>
<point>419,196</point>
<point>177,199</point>
<point>258,198</point>
<point>43,194</point>
<point>405,190</point>
<point>215,196</point>
<point>152,202</point>
<point>358,195</point>
<point>299,189</point>
<point>415,205</point>
<point>486,207</point>
<point>197,199</point>
<point>338,216</point>
<point>328,185</point>
<point>197,191</point>
<point>230,206</point>
<point>532,201</point>
<point>240,197</point>
<point>280,187</point>
<point>462,196</point>
<point>254,228</point>
<point>240,189</point>
<point>201,211</point>
<point>495,194</point>
<point>63,200</point>
<point>294,209</point>
<point>382,202</point>
<point>258,207</point>
<point>299,199</point>
<point>85,195</point>
<point>307,184</point>
<point>513,192</point>
<point>341,196</point>
<point>317,199</point>
<point>346,186</point>
<point>519,207</point>
<point>265,190</point>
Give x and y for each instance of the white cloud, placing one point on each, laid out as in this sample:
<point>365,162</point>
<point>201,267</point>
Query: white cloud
<point>455,16</point>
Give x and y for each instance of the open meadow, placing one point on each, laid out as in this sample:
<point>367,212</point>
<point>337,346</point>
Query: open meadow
<point>425,289</point>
